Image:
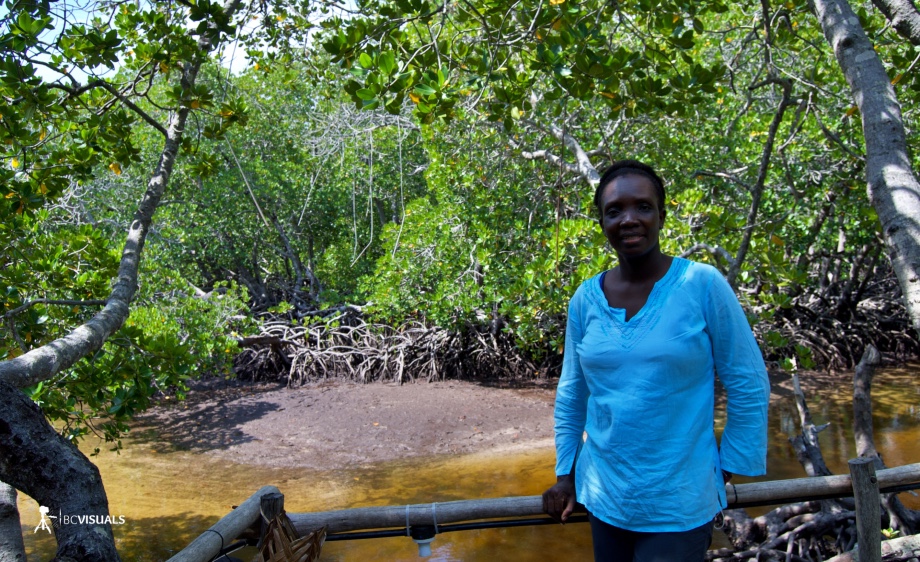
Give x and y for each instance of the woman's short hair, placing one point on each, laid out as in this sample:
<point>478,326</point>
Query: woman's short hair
<point>625,168</point>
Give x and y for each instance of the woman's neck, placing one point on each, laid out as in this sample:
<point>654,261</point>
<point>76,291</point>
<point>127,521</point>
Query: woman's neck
<point>648,267</point>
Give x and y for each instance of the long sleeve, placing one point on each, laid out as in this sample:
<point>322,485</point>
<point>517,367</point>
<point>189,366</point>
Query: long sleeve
<point>642,392</point>
<point>572,393</point>
<point>739,365</point>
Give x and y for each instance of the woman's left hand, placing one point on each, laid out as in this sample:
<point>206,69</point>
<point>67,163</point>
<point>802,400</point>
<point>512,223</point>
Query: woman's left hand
<point>559,501</point>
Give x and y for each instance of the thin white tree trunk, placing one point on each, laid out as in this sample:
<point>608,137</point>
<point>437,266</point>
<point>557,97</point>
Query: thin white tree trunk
<point>59,464</point>
<point>893,188</point>
<point>582,165</point>
<point>33,457</point>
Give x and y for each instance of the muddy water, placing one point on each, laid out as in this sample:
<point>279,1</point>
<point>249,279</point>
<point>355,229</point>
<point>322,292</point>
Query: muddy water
<point>168,499</point>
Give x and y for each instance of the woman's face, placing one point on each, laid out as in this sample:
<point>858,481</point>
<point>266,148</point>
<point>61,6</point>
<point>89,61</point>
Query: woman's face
<point>630,215</point>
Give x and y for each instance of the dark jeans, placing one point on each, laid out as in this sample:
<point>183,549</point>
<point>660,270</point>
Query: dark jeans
<point>612,544</point>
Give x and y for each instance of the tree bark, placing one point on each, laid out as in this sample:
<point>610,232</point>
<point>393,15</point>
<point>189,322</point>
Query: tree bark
<point>582,166</point>
<point>899,517</point>
<point>34,458</point>
<point>893,189</point>
<point>78,474</point>
<point>903,16</point>
<point>894,550</point>
<point>806,444</point>
<point>804,259</point>
<point>46,361</point>
<point>300,271</point>
<point>11,546</point>
<point>862,404</point>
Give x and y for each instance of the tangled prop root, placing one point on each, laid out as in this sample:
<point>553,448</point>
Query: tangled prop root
<point>365,352</point>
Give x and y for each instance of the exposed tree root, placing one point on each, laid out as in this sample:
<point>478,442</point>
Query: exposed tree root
<point>902,549</point>
<point>347,347</point>
<point>819,530</point>
<point>836,324</point>
<point>337,342</point>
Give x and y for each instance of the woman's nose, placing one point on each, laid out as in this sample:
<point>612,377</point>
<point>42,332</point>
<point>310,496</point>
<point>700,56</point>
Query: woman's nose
<point>628,216</point>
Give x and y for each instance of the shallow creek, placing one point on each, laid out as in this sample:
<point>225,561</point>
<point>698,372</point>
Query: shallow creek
<point>169,498</point>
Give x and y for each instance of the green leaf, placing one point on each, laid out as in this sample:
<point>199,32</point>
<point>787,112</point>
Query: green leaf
<point>366,94</point>
<point>387,62</point>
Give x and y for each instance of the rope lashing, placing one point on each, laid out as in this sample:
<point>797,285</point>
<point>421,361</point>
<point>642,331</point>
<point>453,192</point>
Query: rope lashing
<point>434,517</point>
<point>220,552</point>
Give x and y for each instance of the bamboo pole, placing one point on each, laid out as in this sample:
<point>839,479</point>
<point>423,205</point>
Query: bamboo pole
<point>868,509</point>
<point>388,517</point>
<point>777,491</point>
<point>222,533</point>
<point>363,518</point>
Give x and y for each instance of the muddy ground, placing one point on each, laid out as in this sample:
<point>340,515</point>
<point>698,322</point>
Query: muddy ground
<point>338,424</point>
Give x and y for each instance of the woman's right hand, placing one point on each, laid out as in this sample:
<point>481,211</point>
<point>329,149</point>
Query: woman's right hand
<point>559,501</point>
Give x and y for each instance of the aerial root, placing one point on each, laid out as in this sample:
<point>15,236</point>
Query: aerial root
<point>366,352</point>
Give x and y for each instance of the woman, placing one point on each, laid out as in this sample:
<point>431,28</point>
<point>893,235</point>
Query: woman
<point>635,401</point>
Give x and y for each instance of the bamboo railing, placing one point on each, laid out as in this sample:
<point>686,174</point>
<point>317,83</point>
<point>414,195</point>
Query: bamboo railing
<point>741,495</point>
<point>209,544</point>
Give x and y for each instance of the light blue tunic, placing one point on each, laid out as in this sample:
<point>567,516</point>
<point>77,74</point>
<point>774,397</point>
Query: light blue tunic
<point>641,393</point>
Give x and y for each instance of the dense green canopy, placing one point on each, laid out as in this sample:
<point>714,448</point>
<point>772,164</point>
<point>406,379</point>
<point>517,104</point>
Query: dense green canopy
<point>458,191</point>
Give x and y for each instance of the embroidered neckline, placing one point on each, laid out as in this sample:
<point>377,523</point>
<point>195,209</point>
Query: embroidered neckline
<point>629,333</point>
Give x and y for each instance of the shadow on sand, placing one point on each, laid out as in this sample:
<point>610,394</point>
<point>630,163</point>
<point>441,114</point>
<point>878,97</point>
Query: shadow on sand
<point>199,427</point>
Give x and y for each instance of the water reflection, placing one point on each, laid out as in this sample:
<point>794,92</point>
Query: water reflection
<point>169,496</point>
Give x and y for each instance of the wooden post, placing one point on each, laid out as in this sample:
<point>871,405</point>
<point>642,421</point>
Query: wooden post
<point>271,506</point>
<point>222,533</point>
<point>868,509</point>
